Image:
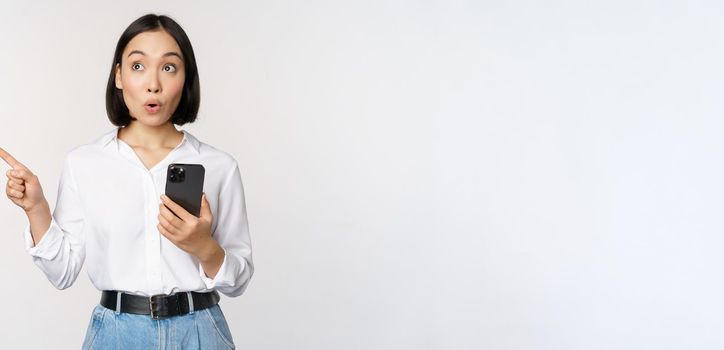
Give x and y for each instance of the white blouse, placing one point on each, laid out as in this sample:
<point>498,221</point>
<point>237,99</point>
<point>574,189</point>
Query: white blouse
<point>106,216</point>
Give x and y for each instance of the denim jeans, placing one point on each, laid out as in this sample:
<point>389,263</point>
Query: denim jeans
<point>202,329</point>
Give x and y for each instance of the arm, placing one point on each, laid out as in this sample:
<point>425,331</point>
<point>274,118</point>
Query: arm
<point>232,236</point>
<point>24,190</point>
<point>55,243</point>
<point>211,259</point>
<point>39,220</point>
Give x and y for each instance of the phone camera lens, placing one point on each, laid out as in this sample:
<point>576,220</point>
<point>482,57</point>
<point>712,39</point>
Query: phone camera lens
<point>176,174</point>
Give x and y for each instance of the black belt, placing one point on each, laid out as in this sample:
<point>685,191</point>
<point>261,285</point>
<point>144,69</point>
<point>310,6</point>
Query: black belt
<point>159,306</point>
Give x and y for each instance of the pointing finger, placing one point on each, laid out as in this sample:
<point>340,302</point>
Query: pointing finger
<point>10,160</point>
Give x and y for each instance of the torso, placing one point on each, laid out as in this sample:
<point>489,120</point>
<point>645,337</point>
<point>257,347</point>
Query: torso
<point>150,157</point>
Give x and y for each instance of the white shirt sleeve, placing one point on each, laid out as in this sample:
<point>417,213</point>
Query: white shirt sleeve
<point>232,234</point>
<point>61,251</point>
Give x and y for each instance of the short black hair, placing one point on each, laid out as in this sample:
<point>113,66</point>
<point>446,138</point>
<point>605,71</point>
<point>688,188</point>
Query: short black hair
<point>188,106</point>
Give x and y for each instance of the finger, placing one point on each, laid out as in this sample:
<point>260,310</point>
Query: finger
<point>165,232</point>
<point>22,174</point>
<point>10,160</point>
<point>177,209</point>
<point>205,209</point>
<point>16,186</point>
<point>13,193</point>
<point>169,216</point>
<point>10,176</point>
<point>14,179</point>
<point>168,226</point>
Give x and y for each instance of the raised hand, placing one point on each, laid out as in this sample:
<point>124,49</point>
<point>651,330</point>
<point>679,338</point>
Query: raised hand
<point>23,187</point>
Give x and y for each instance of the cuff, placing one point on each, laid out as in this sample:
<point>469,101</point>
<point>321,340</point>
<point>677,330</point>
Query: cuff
<point>49,244</point>
<point>225,276</point>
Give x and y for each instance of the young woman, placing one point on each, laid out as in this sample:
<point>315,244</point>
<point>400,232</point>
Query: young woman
<point>158,266</point>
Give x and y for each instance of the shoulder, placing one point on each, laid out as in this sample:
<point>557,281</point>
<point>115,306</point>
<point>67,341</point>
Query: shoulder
<point>212,155</point>
<point>220,166</point>
<point>92,148</point>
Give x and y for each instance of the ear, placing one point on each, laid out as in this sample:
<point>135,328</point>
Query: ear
<point>119,84</point>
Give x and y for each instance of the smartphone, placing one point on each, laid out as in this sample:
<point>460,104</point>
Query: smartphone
<point>185,184</point>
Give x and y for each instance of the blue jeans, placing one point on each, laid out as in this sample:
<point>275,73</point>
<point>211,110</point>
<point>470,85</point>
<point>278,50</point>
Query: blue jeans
<point>202,329</point>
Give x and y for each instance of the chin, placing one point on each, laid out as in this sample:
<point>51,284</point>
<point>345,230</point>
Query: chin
<point>152,120</point>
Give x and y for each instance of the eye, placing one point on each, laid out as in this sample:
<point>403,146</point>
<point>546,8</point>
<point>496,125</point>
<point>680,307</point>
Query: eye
<point>169,68</point>
<point>137,66</point>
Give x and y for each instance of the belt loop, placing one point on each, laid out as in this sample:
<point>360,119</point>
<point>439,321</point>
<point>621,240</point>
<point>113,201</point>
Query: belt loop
<point>191,302</point>
<point>118,302</point>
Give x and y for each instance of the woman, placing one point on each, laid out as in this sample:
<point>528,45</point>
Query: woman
<point>159,267</point>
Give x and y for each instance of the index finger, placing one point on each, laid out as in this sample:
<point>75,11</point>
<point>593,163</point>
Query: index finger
<point>182,213</point>
<point>10,160</point>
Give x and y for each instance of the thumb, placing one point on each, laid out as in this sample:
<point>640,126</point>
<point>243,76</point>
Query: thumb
<point>205,209</point>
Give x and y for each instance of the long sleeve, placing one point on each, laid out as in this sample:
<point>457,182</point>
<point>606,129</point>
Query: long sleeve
<point>232,234</point>
<point>61,251</point>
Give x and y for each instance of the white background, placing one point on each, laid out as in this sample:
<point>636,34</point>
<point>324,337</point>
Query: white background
<point>419,174</point>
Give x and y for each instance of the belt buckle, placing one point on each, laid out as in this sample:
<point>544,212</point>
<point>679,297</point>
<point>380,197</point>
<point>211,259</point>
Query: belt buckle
<point>152,302</point>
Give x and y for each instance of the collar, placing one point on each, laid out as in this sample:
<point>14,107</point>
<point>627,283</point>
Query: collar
<point>111,137</point>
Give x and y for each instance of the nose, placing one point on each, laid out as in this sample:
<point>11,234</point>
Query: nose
<point>153,84</point>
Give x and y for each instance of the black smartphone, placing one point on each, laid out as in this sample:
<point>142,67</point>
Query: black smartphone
<point>184,185</point>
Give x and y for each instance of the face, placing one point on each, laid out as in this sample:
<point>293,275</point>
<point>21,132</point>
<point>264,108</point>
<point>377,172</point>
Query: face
<point>151,75</point>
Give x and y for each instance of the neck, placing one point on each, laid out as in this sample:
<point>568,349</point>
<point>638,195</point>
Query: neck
<point>150,136</point>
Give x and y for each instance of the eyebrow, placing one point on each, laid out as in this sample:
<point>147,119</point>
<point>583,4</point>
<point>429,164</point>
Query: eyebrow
<point>171,53</point>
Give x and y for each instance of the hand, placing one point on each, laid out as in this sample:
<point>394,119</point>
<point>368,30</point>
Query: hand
<point>188,232</point>
<point>23,187</point>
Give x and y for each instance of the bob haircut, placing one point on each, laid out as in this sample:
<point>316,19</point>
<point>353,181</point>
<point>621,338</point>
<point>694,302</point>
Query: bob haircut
<point>188,106</point>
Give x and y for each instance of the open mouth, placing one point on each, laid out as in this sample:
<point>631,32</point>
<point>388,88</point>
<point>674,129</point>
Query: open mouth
<point>152,107</point>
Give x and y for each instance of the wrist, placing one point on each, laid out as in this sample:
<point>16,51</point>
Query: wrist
<point>209,251</point>
<point>40,208</point>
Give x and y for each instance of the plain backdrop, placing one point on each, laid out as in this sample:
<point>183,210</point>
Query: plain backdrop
<point>419,174</point>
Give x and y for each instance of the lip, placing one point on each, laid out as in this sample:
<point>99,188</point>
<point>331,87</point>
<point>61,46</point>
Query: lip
<point>153,109</point>
<point>152,106</point>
